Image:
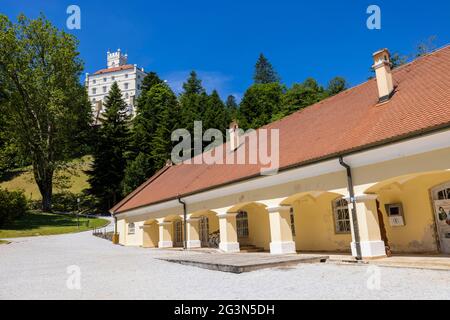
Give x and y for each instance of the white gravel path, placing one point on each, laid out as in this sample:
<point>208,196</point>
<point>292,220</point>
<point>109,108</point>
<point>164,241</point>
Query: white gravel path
<point>36,268</point>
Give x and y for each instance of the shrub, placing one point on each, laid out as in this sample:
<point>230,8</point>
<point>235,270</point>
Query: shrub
<point>13,205</point>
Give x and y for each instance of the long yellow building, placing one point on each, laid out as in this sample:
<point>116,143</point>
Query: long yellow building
<point>366,171</point>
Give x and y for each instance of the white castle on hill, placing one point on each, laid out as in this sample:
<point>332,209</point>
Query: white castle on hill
<point>129,78</point>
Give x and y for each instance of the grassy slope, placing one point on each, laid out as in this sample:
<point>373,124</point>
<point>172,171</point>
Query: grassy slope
<point>40,224</point>
<point>23,179</point>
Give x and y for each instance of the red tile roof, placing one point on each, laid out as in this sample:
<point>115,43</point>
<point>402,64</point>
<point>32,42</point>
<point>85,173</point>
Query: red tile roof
<point>108,70</point>
<point>352,120</point>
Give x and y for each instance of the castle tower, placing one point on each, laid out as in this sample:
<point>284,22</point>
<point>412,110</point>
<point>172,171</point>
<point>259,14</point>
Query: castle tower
<point>116,59</point>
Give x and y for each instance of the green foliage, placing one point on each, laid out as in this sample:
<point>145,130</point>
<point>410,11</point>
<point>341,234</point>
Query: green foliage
<point>152,129</point>
<point>336,85</point>
<point>192,101</point>
<point>193,104</point>
<point>137,172</point>
<point>110,151</point>
<point>232,108</point>
<point>259,104</point>
<point>13,205</point>
<point>46,107</point>
<point>264,71</point>
<point>216,115</point>
<point>168,121</point>
<point>150,80</point>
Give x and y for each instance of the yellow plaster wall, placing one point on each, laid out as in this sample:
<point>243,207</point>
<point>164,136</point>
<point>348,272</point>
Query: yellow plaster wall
<point>315,228</point>
<point>121,231</point>
<point>258,227</point>
<point>150,235</point>
<point>136,238</point>
<point>419,233</point>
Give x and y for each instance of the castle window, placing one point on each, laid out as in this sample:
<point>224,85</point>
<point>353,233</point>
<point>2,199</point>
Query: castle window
<point>126,75</point>
<point>341,216</point>
<point>94,81</point>
<point>104,89</point>
<point>126,85</point>
<point>113,78</point>
<point>104,79</point>
<point>94,90</point>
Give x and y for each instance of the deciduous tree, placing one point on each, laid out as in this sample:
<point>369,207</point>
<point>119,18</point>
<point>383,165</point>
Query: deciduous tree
<point>43,99</point>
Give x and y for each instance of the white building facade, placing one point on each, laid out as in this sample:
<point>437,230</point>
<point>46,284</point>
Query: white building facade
<point>128,77</point>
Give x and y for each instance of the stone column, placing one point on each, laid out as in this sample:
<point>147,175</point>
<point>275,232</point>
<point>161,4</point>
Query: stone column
<point>280,230</point>
<point>228,232</point>
<point>165,235</point>
<point>372,246</point>
<point>193,239</point>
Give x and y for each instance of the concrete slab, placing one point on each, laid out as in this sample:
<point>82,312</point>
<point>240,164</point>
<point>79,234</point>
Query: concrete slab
<point>239,262</point>
<point>417,261</point>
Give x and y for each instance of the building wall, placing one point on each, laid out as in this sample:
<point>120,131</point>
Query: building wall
<point>314,219</point>
<point>315,227</point>
<point>134,80</point>
<point>419,232</point>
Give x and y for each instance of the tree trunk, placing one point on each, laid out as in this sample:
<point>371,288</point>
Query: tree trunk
<point>44,180</point>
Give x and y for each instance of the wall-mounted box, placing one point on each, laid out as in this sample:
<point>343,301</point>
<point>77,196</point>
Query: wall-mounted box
<point>395,214</point>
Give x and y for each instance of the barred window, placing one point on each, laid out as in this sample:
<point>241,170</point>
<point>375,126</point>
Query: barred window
<point>131,228</point>
<point>341,216</point>
<point>242,224</point>
<point>444,194</point>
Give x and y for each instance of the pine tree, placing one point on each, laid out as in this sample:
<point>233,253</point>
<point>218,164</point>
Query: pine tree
<point>150,80</point>
<point>264,71</point>
<point>232,108</point>
<point>109,153</point>
<point>193,103</point>
<point>168,121</point>
<point>136,172</point>
<point>152,129</point>
<point>215,116</point>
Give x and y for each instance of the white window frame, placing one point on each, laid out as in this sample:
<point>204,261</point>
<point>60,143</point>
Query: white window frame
<point>105,89</point>
<point>242,224</point>
<point>131,228</point>
<point>94,90</point>
<point>341,214</point>
<point>126,85</point>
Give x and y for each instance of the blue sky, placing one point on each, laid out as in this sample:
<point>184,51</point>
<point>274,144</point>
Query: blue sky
<point>222,39</point>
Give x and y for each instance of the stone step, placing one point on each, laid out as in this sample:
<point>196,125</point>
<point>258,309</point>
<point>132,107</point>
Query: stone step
<point>251,248</point>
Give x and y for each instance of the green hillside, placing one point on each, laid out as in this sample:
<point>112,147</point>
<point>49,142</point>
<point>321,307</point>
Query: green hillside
<point>71,179</point>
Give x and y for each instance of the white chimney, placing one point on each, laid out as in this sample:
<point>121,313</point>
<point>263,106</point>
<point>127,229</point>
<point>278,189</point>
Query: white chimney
<point>234,135</point>
<point>382,67</point>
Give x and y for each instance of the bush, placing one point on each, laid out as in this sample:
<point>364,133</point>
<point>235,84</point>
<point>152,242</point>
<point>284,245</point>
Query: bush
<point>67,202</point>
<point>13,205</point>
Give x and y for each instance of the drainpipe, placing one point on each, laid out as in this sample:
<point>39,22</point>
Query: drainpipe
<point>351,191</point>
<point>185,222</point>
<point>115,224</point>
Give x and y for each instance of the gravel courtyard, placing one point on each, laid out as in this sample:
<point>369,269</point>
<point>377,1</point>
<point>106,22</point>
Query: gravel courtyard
<point>37,268</point>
